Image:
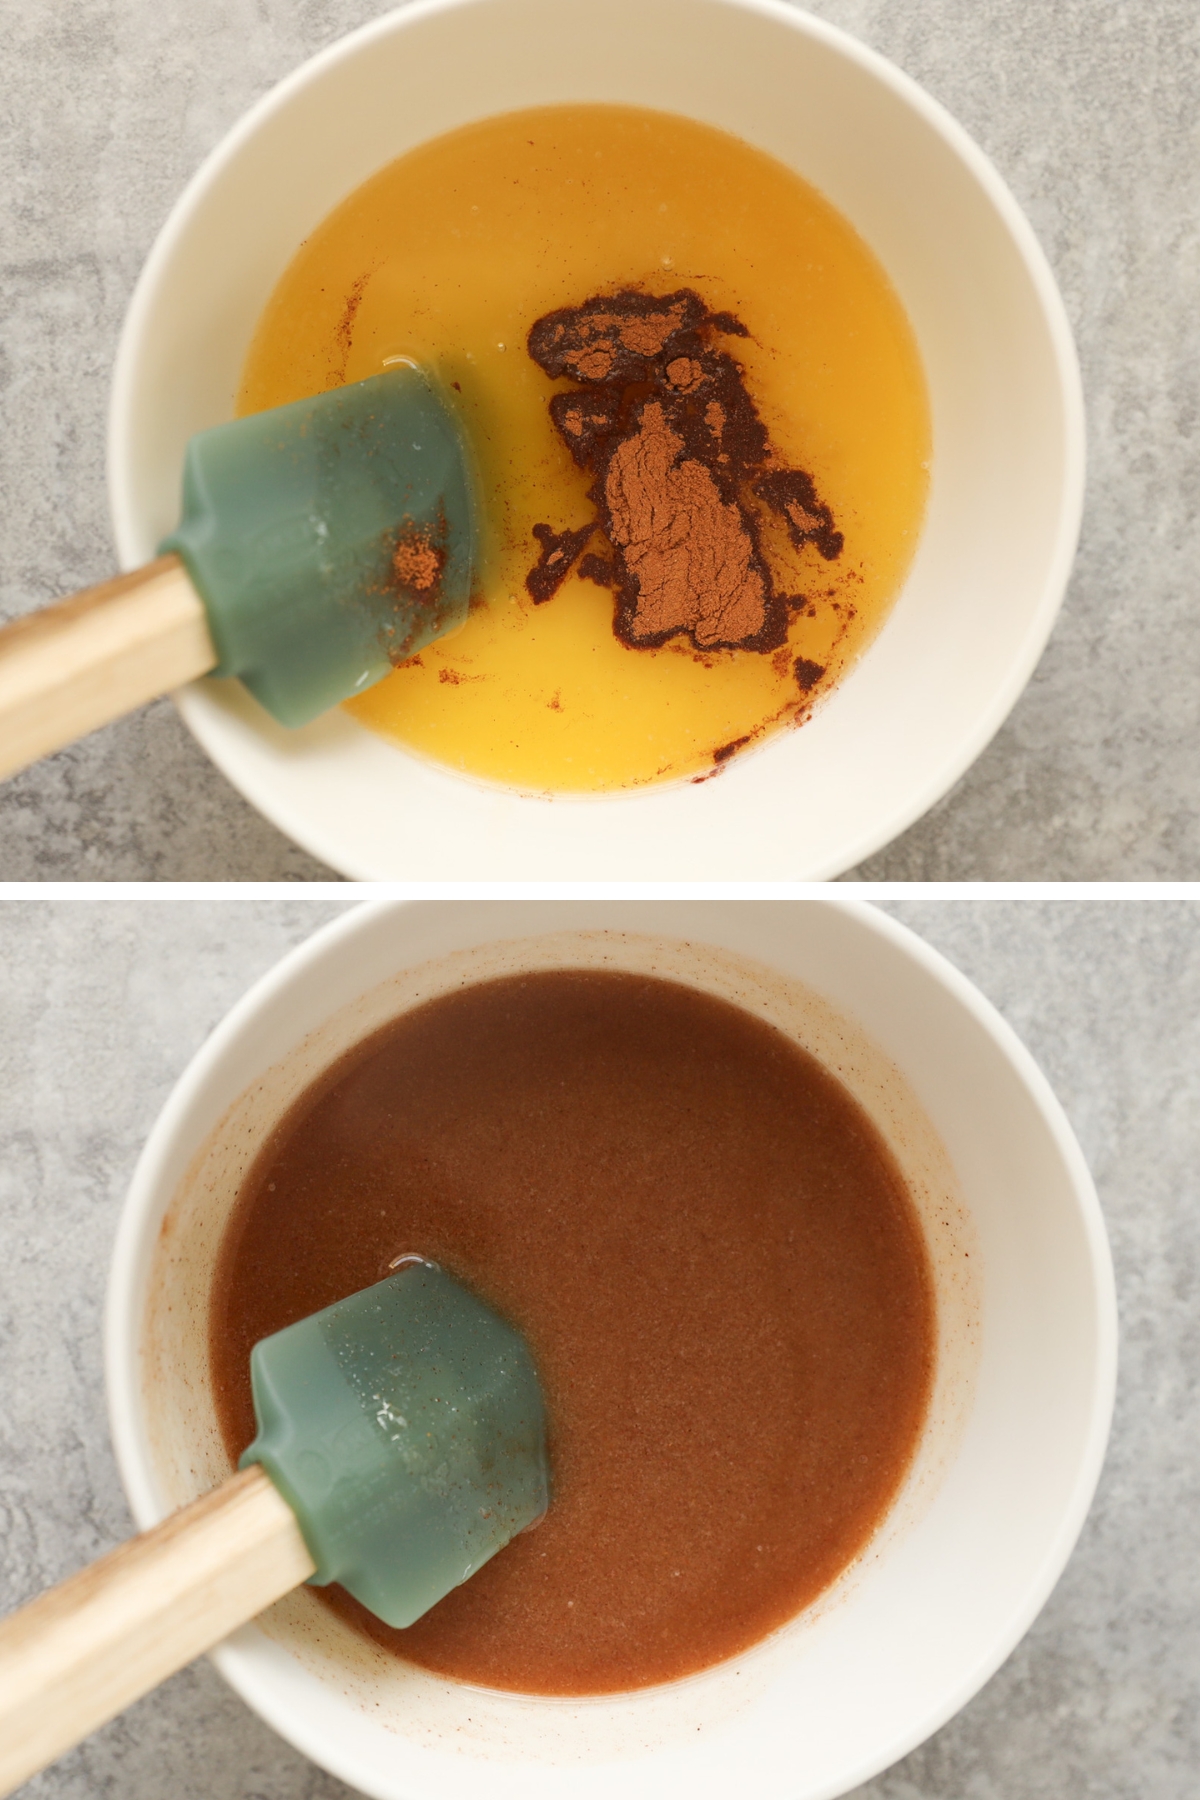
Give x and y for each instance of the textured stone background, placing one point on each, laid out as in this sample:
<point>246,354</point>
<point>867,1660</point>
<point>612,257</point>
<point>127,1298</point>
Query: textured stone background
<point>1086,106</point>
<point>103,1005</point>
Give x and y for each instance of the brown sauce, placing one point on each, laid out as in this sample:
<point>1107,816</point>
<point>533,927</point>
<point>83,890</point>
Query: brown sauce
<point>716,1264</point>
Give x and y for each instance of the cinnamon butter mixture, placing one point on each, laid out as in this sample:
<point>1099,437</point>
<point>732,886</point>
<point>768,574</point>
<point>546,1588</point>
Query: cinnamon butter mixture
<point>682,466</point>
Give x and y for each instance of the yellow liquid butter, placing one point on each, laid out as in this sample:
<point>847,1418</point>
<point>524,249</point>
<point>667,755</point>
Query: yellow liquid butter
<point>448,256</point>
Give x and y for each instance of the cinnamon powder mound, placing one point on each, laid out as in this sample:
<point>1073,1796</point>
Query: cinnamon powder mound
<point>417,561</point>
<point>682,465</point>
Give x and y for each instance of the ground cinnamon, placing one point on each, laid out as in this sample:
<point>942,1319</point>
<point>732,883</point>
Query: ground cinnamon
<point>417,560</point>
<point>682,464</point>
<point>416,564</point>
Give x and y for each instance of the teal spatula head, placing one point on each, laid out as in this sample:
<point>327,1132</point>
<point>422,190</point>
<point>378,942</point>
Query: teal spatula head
<point>330,539</point>
<point>405,1428</point>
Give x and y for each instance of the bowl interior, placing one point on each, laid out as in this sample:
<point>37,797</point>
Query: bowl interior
<point>1006,1464</point>
<point>1007,432</point>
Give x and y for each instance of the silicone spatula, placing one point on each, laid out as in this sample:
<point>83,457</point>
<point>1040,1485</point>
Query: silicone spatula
<point>401,1443</point>
<point>321,543</point>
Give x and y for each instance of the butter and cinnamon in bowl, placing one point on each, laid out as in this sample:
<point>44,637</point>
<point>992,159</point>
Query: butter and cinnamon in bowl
<point>806,1256</point>
<point>845,269</point>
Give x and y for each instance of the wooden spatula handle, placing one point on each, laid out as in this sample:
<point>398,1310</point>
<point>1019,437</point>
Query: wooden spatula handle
<point>73,1658</point>
<point>92,658</point>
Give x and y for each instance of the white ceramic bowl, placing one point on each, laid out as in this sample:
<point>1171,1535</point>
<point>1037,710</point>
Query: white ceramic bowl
<point>1007,472</point>
<point>1006,1466</point>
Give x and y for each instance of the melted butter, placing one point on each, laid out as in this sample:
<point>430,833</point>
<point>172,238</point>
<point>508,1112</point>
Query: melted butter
<point>448,256</point>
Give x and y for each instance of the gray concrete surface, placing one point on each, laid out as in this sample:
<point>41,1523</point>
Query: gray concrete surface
<point>1086,106</point>
<point>104,1003</point>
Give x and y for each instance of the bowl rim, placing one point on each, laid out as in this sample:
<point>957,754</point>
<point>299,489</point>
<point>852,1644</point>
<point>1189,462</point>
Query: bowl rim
<point>201,713</point>
<point>239,1663</point>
